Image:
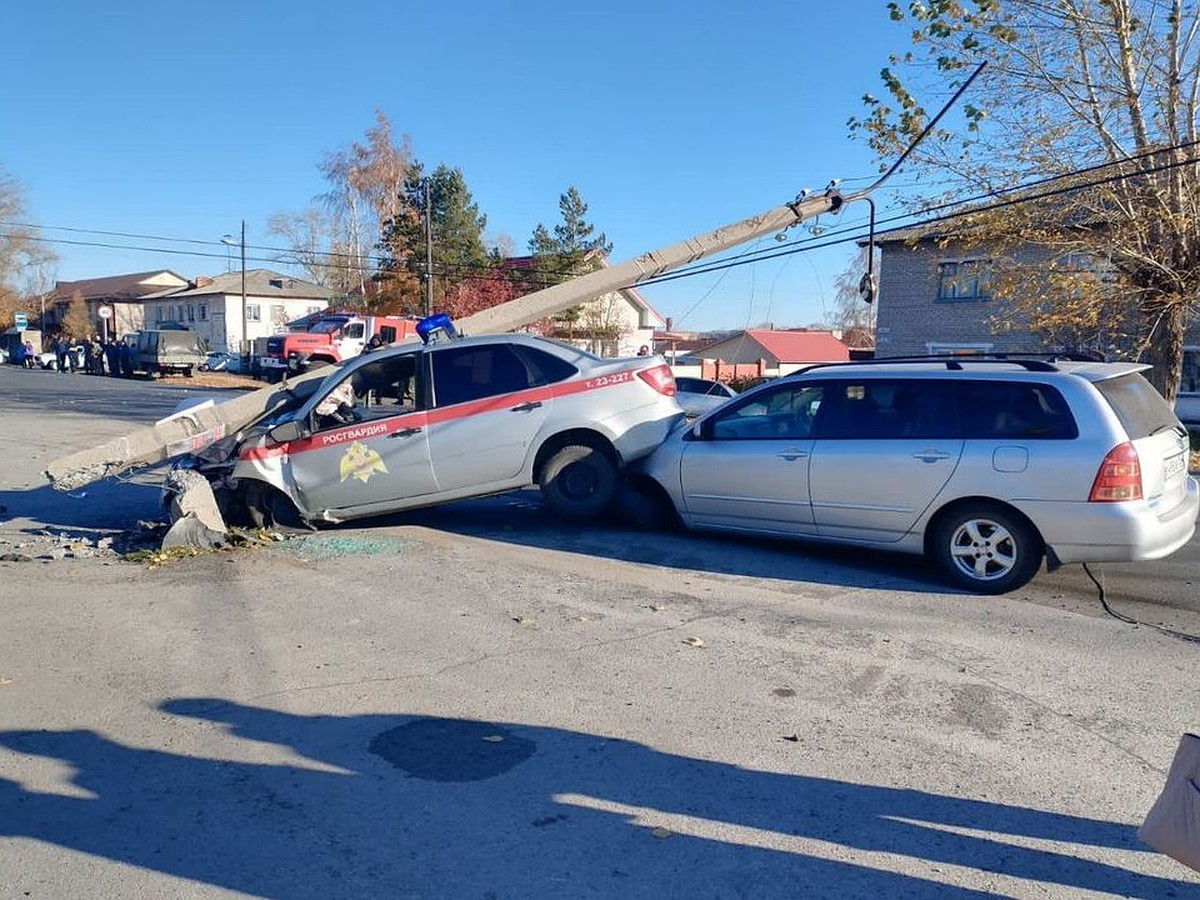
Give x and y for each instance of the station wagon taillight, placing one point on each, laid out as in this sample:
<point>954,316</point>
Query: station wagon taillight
<point>1120,476</point>
<point>659,378</point>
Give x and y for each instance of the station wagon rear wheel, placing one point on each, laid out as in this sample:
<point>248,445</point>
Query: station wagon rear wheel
<point>579,482</point>
<point>987,549</point>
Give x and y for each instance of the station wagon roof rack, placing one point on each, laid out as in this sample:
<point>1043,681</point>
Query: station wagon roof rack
<point>953,363</point>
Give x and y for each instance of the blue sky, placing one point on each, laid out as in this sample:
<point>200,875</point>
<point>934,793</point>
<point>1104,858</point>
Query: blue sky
<point>181,120</point>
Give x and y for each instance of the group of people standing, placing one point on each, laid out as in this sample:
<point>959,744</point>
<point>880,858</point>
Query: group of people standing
<point>93,355</point>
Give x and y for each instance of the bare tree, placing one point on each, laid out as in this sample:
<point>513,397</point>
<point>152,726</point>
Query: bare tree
<point>1103,92</point>
<point>25,263</point>
<point>334,241</point>
<point>851,316</point>
<point>75,321</point>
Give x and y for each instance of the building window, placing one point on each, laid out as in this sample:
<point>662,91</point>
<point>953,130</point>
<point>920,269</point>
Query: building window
<point>202,312</point>
<point>253,312</point>
<point>191,313</point>
<point>1189,381</point>
<point>158,313</point>
<point>963,280</point>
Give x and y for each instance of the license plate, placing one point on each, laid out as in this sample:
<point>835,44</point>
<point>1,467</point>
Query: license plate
<point>1174,466</point>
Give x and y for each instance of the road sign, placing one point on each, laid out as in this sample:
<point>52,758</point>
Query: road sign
<point>21,320</point>
<point>104,312</point>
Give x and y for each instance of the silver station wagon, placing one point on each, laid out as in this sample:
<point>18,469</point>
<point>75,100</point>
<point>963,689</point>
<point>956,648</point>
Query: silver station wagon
<point>986,466</point>
<point>417,425</point>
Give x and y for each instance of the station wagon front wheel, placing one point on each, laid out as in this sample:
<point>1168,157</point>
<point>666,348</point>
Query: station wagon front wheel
<point>578,482</point>
<point>987,549</point>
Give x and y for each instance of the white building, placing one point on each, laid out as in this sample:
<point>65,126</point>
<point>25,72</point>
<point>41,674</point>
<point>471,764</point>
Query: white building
<point>213,307</point>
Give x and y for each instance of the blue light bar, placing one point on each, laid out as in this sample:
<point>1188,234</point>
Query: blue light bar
<point>437,327</point>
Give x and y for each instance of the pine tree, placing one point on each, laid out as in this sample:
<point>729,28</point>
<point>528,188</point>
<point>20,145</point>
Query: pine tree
<point>457,228</point>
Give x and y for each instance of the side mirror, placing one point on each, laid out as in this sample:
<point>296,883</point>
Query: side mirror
<point>286,432</point>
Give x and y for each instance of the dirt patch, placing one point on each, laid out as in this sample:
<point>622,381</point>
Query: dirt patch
<point>221,380</point>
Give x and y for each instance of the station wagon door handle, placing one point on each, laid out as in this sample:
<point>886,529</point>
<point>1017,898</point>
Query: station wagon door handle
<point>405,432</point>
<point>931,456</point>
<point>793,454</point>
<point>526,407</point>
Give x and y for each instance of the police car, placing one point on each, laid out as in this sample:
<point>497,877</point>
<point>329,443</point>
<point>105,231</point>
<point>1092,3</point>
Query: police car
<point>450,418</point>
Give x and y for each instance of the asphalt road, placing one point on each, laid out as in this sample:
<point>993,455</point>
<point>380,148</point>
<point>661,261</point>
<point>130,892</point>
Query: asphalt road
<point>476,701</point>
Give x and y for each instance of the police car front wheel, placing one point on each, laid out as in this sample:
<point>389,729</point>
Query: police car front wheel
<point>579,482</point>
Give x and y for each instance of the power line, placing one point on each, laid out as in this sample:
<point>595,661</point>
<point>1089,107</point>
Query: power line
<point>373,264</point>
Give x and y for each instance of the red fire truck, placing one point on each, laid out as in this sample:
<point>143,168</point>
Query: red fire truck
<point>329,338</point>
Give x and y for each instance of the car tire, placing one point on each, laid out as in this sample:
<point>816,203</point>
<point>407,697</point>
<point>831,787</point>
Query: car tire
<point>578,482</point>
<point>986,548</point>
<point>267,507</point>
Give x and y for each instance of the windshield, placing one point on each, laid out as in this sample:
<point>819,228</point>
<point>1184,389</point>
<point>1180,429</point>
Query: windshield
<point>329,326</point>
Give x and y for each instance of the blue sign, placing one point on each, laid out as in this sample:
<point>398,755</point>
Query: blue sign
<point>21,321</point>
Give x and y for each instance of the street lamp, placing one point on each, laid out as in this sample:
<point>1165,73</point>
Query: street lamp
<point>228,241</point>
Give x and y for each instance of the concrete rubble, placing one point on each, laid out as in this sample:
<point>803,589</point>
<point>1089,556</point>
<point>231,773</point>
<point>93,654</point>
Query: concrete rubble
<point>195,519</point>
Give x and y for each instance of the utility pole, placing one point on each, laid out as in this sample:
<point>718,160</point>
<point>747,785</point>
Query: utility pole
<point>428,248</point>
<point>245,341</point>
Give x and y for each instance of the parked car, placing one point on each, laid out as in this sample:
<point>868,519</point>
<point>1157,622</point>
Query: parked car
<point>49,359</point>
<point>987,467</point>
<point>421,424</point>
<point>222,361</point>
<point>700,395</point>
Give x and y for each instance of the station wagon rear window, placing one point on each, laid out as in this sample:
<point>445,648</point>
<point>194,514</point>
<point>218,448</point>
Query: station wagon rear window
<point>1141,409</point>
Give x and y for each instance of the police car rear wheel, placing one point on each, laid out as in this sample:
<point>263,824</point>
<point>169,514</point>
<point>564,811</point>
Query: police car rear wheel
<point>579,482</point>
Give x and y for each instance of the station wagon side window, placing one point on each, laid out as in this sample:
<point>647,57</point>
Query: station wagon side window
<point>461,374</point>
<point>1013,409</point>
<point>785,412</point>
<point>890,409</point>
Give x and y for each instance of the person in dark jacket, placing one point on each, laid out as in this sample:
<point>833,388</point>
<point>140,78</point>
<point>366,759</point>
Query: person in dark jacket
<point>125,353</point>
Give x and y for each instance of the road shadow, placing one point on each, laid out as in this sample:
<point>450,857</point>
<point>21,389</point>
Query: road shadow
<point>417,806</point>
<point>521,518</point>
<point>103,507</point>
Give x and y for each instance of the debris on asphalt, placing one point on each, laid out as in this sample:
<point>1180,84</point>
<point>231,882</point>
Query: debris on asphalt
<point>329,546</point>
<point>694,641</point>
<point>190,494</point>
<point>190,531</point>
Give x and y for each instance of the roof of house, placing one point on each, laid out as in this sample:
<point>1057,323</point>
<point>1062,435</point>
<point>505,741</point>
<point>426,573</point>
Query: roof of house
<point>801,346</point>
<point>260,283</point>
<point>791,346</point>
<point>133,286</point>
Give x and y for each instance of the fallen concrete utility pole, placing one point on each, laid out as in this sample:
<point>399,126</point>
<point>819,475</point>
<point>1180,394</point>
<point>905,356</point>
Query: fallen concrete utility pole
<point>553,300</point>
<point>192,430</point>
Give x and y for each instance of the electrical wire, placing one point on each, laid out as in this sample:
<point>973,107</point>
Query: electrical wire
<point>1099,583</point>
<point>831,238</point>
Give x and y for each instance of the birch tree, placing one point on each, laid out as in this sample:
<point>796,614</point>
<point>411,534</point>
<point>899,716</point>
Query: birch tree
<point>335,241</point>
<point>1095,99</point>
